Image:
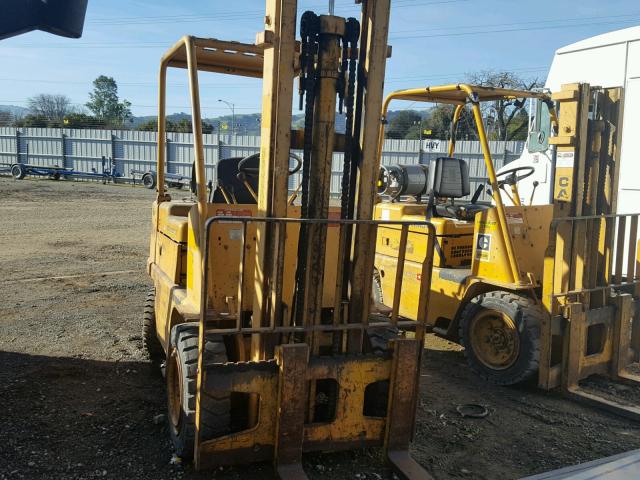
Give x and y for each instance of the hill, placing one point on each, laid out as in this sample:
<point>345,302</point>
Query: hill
<point>14,110</point>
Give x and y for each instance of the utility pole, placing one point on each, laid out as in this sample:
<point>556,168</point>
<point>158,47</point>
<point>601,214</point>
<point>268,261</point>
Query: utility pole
<point>232,106</point>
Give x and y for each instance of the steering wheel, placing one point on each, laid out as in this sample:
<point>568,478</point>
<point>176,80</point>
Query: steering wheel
<point>511,177</point>
<point>246,170</point>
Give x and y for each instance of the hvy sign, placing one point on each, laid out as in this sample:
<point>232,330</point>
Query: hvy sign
<point>431,145</point>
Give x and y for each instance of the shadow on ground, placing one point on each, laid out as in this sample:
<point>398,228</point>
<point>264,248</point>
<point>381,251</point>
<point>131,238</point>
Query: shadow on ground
<point>71,418</point>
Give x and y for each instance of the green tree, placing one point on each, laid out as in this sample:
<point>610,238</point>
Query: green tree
<point>105,104</point>
<point>181,126</point>
<point>401,123</point>
<point>148,126</point>
<point>6,118</point>
<point>505,117</point>
<point>32,120</point>
<point>439,122</point>
<point>82,120</point>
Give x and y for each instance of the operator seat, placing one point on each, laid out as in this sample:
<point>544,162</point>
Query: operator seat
<point>449,178</point>
<point>227,174</point>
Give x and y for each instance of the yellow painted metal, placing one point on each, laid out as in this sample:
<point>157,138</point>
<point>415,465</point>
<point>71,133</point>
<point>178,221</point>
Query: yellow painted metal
<point>461,95</point>
<point>516,276</point>
<point>527,227</point>
<point>588,297</point>
<point>454,125</point>
<point>168,257</point>
<point>275,144</point>
<point>225,259</point>
<point>515,236</point>
<point>454,237</point>
<point>173,262</point>
<point>494,339</point>
<point>373,41</point>
<point>458,94</point>
<point>557,260</point>
<point>172,220</point>
<point>457,241</point>
<point>250,189</point>
<point>353,374</point>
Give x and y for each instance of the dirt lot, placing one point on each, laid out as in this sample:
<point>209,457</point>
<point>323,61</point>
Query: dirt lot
<point>79,401</point>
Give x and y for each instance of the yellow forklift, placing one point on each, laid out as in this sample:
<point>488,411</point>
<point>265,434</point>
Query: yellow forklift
<point>482,272</point>
<point>546,292</point>
<point>261,311</point>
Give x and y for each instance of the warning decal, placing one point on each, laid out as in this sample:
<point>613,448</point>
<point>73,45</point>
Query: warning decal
<point>565,159</point>
<point>483,247</point>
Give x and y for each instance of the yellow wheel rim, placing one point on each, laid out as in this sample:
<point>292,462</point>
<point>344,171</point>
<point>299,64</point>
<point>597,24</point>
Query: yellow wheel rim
<point>174,390</point>
<point>494,339</point>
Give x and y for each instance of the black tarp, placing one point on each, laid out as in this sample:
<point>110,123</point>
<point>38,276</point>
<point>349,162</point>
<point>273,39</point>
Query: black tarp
<point>60,17</point>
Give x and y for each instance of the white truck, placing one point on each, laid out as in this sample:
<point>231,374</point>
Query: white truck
<point>608,60</point>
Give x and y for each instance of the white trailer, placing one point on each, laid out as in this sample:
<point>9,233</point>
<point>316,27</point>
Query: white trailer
<point>608,60</point>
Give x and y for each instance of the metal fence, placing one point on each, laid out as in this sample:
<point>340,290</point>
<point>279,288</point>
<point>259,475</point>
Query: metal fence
<point>82,150</point>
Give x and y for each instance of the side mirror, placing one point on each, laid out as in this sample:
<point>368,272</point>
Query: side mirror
<point>540,128</point>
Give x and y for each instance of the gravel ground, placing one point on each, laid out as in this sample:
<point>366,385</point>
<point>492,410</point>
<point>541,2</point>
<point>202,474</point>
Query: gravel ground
<point>80,401</point>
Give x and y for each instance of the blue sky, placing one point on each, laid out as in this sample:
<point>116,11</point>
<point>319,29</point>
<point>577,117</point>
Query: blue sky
<point>434,41</point>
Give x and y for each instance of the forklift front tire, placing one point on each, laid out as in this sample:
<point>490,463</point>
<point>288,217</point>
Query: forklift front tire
<point>182,376</point>
<point>150,343</point>
<point>500,333</point>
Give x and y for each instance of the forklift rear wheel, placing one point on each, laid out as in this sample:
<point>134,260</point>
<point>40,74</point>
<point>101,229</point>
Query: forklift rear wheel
<point>149,180</point>
<point>150,342</point>
<point>500,332</point>
<point>182,375</point>
<point>18,172</point>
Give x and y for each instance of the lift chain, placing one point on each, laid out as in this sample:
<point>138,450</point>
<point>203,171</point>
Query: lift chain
<point>309,71</point>
<point>350,44</point>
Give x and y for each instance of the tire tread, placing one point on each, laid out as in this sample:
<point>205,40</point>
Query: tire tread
<point>529,316</point>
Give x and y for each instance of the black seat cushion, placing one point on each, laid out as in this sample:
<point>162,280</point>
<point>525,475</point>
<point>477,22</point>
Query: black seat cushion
<point>465,211</point>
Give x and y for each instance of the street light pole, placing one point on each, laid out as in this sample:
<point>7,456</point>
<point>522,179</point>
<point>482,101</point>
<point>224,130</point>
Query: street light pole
<point>419,123</point>
<point>232,106</point>
<point>420,149</point>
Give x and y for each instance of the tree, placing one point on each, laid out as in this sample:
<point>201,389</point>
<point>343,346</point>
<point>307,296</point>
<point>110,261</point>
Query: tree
<point>439,120</point>
<point>32,121</point>
<point>105,104</point>
<point>82,120</point>
<point>505,116</point>
<point>148,126</point>
<point>181,126</point>
<point>6,118</point>
<point>52,107</point>
<point>401,123</point>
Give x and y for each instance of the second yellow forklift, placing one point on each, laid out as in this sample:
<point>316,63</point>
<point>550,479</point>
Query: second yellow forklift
<point>540,292</point>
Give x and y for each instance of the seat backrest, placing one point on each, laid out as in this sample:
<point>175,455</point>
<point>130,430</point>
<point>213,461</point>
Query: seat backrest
<point>227,173</point>
<point>449,178</point>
